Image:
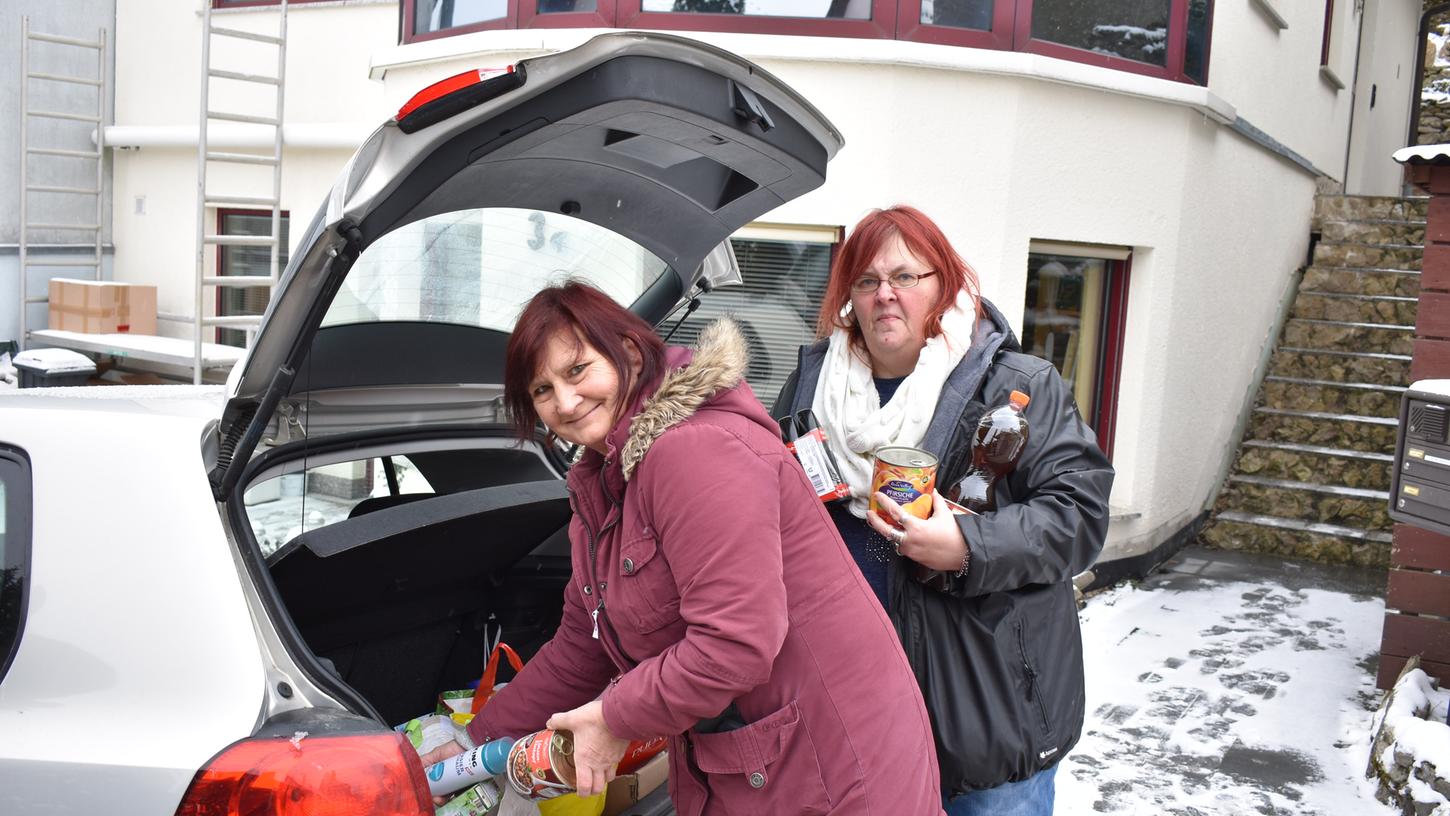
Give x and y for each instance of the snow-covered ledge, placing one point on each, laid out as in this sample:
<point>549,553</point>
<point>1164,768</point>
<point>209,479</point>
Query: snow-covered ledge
<point>1410,756</point>
<point>520,43</point>
<point>1435,154</point>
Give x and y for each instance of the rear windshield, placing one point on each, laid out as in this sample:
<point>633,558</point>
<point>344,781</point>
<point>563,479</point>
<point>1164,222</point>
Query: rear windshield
<point>479,268</point>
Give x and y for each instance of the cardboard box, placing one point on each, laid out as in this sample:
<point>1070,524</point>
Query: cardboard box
<point>102,307</point>
<point>627,789</point>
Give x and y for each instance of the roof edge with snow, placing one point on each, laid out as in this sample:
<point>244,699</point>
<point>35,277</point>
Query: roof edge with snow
<point>1437,155</point>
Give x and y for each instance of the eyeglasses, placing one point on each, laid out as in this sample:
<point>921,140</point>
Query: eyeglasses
<point>901,280</point>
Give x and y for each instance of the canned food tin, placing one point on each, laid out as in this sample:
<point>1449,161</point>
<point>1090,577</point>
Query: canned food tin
<point>541,765</point>
<point>907,477</point>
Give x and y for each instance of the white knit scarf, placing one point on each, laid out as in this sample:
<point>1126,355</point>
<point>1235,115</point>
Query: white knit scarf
<point>850,411</point>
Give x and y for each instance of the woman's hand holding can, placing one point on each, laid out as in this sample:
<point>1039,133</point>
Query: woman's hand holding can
<point>935,541</point>
<point>597,751</point>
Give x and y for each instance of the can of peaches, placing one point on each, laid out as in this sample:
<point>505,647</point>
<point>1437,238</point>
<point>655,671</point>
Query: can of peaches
<point>907,477</point>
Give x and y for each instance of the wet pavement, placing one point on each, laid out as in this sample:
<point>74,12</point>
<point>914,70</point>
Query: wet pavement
<point>1229,683</point>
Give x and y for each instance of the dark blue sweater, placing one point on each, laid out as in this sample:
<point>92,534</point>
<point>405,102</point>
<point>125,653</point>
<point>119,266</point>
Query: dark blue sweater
<point>871,551</point>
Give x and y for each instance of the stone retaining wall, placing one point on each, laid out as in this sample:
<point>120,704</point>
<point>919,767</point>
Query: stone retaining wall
<point>1410,737</point>
<point>1434,124</point>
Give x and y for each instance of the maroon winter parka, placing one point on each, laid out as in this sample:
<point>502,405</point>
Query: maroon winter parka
<point>718,579</point>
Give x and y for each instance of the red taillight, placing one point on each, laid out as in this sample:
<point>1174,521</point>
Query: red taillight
<point>455,94</point>
<point>364,775</point>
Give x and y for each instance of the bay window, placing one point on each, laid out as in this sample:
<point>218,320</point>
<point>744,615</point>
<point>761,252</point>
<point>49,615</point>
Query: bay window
<point>1162,38</point>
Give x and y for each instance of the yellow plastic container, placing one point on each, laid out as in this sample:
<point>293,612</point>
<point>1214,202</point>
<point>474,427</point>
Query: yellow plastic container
<point>572,804</point>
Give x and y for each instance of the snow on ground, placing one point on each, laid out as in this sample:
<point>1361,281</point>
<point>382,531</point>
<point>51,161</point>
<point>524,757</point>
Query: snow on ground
<point>1219,696</point>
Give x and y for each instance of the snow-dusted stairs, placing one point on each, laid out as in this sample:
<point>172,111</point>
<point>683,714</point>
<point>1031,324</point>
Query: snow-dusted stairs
<point>1313,474</point>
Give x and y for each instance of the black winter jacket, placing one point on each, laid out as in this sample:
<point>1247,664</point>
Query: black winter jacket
<point>999,655</point>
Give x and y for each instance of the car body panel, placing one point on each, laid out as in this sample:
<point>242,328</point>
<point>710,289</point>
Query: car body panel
<point>136,614</point>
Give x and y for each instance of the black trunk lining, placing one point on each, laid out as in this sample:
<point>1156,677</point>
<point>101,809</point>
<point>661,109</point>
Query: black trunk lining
<point>404,601</point>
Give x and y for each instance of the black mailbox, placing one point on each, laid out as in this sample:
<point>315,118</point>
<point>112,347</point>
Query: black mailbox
<point>1420,488</point>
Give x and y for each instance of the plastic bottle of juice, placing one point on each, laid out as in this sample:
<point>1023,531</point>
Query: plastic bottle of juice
<point>1000,439</point>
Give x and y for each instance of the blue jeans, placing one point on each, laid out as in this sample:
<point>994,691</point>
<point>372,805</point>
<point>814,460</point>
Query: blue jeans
<point>1030,797</point>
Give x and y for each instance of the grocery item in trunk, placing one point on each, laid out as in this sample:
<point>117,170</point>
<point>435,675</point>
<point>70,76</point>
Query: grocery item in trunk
<point>538,766</point>
<point>431,731</point>
<point>470,767</point>
<point>467,702</point>
<point>478,800</point>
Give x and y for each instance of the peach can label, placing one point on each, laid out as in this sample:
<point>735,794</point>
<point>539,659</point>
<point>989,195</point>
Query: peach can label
<point>907,476</point>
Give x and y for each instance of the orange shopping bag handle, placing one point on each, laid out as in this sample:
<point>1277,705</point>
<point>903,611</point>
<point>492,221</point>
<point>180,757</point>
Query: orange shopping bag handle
<point>490,673</point>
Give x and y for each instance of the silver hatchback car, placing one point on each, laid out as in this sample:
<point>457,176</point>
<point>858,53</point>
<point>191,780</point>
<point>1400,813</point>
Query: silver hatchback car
<point>219,601</point>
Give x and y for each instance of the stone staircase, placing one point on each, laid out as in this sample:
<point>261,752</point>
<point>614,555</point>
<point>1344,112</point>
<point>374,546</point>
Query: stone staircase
<point>1312,477</point>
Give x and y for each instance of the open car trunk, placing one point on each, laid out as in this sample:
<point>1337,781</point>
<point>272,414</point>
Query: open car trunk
<point>405,597</point>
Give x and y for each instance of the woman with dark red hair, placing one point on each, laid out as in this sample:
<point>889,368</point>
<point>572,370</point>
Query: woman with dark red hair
<point>712,601</point>
<point>913,356</point>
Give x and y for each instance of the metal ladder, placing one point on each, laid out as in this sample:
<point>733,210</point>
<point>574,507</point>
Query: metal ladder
<point>206,199</point>
<point>96,121</point>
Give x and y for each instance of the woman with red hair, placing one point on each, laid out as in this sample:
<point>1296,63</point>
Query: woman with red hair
<point>913,356</point>
<point>712,601</point>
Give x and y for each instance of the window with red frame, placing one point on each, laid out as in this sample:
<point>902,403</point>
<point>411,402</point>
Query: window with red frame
<point>1073,318</point>
<point>820,9</point>
<point>440,15</point>
<point>1163,38</point>
<point>245,260</point>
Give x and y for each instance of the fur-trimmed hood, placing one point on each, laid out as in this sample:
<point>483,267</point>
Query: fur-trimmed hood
<point>718,364</point>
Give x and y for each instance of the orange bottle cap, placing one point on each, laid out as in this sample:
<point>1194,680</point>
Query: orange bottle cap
<point>1020,399</point>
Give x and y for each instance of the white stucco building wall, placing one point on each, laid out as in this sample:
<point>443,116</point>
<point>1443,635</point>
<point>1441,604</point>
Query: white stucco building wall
<point>1001,148</point>
<point>330,107</point>
<point>1383,96</point>
<point>1272,76</point>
